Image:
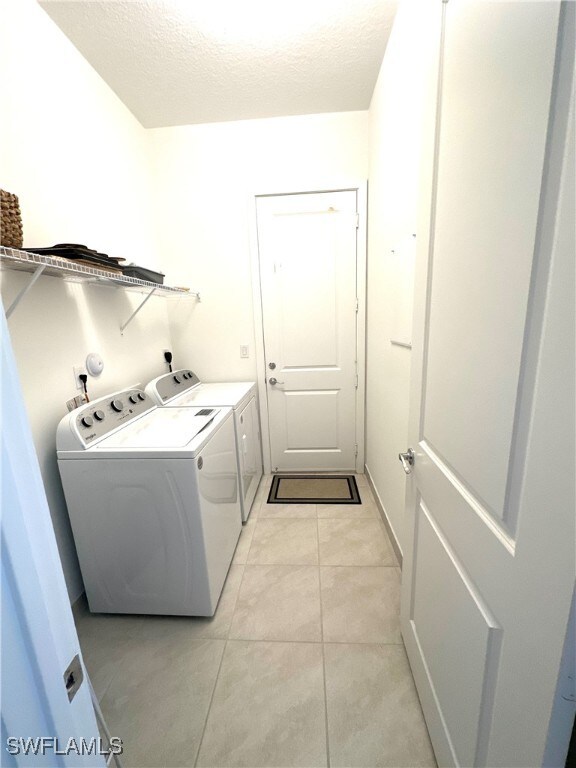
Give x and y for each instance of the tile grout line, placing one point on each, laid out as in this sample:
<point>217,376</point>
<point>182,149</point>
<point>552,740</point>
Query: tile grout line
<point>243,566</point>
<point>115,665</point>
<point>210,704</point>
<point>255,520</point>
<point>107,689</point>
<point>314,565</point>
<point>322,642</point>
<point>377,565</point>
<point>235,603</point>
<point>303,642</point>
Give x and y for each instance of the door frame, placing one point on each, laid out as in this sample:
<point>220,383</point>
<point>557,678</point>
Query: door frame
<point>360,187</point>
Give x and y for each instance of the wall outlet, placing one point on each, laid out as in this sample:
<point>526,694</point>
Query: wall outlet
<point>76,402</point>
<point>244,350</point>
<point>78,369</point>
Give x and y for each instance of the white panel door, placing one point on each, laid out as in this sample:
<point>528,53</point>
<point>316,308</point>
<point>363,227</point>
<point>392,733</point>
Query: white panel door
<point>489,564</point>
<point>307,249</point>
<point>38,637</point>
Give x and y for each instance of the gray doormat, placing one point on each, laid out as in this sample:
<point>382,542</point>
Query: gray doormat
<point>314,489</point>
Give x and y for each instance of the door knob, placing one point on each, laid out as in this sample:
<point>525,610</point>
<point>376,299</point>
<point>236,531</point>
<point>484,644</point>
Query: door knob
<point>274,381</point>
<point>407,460</point>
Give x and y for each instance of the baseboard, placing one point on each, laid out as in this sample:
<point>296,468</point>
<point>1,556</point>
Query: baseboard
<point>384,516</point>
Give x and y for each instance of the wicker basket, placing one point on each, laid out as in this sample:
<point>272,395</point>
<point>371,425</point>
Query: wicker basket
<point>10,220</point>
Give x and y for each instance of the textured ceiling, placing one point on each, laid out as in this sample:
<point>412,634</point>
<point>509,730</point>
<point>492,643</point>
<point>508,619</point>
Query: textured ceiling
<point>175,62</point>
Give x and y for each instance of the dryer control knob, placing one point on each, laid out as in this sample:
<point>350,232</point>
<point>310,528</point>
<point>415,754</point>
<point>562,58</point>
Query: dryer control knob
<point>117,405</point>
<point>141,396</point>
<point>133,399</point>
<point>87,421</point>
<point>177,379</point>
<point>99,415</point>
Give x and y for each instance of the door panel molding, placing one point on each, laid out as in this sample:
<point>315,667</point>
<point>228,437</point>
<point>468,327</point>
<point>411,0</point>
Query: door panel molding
<point>445,594</point>
<point>489,244</point>
<point>463,491</point>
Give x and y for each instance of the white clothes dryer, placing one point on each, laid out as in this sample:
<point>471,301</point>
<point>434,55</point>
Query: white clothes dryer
<point>184,389</point>
<point>154,504</point>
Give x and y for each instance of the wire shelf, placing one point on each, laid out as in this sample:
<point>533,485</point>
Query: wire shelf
<point>12,258</point>
<point>37,264</point>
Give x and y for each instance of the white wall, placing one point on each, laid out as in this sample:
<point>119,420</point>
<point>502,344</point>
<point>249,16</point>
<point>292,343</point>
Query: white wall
<point>204,175</point>
<point>83,168</point>
<point>80,164</point>
<point>397,127</point>
<point>78,161</point>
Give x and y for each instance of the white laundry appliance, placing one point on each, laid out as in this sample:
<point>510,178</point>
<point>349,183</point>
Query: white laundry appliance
<point>153,499</point>
<point>183,388</point>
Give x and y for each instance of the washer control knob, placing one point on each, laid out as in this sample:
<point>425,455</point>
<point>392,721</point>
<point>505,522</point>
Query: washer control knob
<point>177,379</point>
<point>141,396</point>
<point>117,405</point>
<point>99,415</point>
<point>87,421</point>
<point>133,399</point>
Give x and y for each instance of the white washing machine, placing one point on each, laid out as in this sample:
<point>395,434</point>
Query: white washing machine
<point>153,499</point>
<point>184,388</point>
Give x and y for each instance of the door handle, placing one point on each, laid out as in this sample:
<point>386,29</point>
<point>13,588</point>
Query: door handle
<point>274,381</point>
<point>407,460</point>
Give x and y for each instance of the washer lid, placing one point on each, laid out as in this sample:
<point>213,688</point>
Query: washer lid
<point>221,393</point>
<point>161,428</point>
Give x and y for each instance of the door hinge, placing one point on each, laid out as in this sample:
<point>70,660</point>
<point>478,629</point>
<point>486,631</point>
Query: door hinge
<point>73,677</point>
<point>356,385</point>
<point>357,221</point>
<point>357,305</point>
<point>355,449</point>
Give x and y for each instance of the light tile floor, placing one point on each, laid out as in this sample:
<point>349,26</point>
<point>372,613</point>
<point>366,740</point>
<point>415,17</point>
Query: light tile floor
<point>302,664</point>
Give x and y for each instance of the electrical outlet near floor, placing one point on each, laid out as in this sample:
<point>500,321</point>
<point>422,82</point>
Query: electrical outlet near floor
<point>78,369</point>
<point>244,350</point>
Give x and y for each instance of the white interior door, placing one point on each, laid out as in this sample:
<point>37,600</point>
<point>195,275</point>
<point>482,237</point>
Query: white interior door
<point>489,552</point>
<point>38,637</point>
<point>308,276</point>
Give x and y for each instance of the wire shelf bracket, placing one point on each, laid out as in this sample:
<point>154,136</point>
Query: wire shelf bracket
<point>37,272</point>
<point>133,315</point>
